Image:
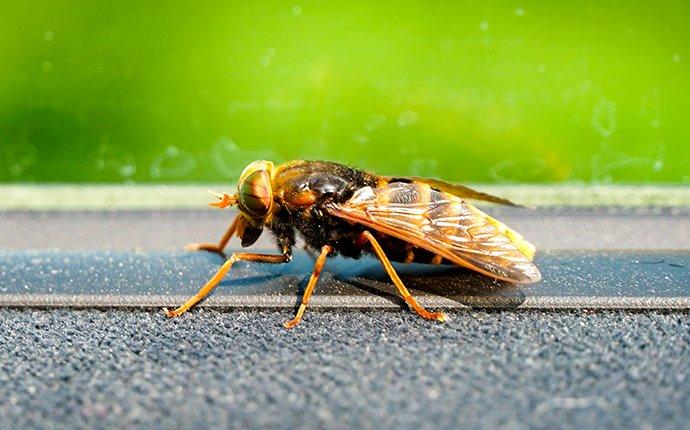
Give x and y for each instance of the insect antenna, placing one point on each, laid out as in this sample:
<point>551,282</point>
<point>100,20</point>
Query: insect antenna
<point>224,200</point>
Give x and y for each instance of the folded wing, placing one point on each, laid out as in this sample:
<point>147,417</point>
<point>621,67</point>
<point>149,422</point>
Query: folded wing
<point>445,225</point>
<point>454,189</point>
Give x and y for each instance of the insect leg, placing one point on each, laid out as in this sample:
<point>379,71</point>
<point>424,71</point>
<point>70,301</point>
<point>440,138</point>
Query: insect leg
<point>438,316</point>
<point>318,266</point>
<point>215,247</point>
<point>211,284</point>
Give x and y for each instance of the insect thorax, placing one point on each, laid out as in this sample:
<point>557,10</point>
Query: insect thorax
<point>304,189</point>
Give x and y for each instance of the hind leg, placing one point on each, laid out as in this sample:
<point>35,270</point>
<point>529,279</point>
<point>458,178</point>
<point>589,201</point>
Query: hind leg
<point>404,292</point>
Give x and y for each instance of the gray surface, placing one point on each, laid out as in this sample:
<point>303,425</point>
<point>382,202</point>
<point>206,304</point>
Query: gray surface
<point>571,279</point>
<point>365,368</point>
<point>509,369</point>
<point>640,228</point>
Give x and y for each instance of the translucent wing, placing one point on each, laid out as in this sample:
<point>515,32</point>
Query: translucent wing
<point>454,189</point>
<point>445,225</point>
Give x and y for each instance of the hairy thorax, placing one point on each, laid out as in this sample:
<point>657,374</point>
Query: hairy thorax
<point>303,190</point>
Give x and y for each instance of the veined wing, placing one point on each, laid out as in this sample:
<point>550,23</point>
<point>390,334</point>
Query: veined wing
<point>445,225</point>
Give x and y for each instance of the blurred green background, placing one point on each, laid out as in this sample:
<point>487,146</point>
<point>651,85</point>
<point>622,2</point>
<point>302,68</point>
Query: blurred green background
<point>497,91</point>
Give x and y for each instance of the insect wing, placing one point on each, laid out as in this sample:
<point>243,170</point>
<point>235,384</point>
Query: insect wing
<point>454,189</point>
<point>443,224</point>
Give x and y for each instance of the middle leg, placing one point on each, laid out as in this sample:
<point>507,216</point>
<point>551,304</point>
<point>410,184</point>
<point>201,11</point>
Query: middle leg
<point>318,266</point>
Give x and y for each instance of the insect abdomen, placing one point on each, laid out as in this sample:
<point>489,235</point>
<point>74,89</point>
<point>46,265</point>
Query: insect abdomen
<point>404,252</point>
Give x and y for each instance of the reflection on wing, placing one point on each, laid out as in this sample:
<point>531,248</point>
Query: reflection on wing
<point>454,189</point>
<point>443,224</point>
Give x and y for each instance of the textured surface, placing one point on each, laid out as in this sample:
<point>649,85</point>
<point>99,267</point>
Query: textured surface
<point>630,279</point>
<point>360,368</point>
<point>344,369</point>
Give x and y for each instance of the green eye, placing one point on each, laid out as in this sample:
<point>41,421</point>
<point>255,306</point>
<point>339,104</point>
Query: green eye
<point>255,194</point>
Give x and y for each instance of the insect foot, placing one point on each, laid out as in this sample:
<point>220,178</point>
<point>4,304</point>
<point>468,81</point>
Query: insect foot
<point>291,323</point>
<point>210,247</point>
<point>171,313</point>
<point>437,316</point>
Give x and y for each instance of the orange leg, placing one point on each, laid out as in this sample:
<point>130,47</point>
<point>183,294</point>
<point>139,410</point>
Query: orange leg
<point>318,266</point>
<point>438,316</point>
<point>215,247</point>
<point>213,282</point>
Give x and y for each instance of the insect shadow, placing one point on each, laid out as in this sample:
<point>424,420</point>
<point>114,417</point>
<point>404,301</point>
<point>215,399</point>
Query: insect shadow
<point>450,282</point>
<point>457,285</point>
<point>347,276</point>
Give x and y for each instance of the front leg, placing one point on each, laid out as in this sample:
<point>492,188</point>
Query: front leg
<point>216,247</point>
<point>213,282</point>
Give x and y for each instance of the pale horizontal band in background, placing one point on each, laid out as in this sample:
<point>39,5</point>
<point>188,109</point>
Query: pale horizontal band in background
<point>117,197</point>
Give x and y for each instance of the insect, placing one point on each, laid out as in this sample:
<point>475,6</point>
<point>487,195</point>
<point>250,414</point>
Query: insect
<point>337,209</point>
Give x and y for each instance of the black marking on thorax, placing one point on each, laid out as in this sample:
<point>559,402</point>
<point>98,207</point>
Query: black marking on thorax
<point>331,183</point>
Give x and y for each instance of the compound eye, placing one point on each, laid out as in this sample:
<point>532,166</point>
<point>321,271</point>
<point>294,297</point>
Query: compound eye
<point>255,194</point>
